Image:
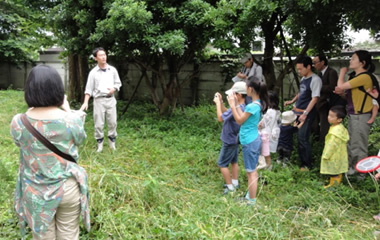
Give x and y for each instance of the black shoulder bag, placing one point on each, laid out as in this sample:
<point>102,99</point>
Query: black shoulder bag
<point>44,141</point>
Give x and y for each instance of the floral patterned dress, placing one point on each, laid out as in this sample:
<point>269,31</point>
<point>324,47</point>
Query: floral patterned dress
<point>334,157</point>
<point>42,173</point>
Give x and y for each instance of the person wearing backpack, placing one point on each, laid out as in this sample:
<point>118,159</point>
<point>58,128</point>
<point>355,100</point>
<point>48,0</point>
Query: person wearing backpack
<point>269,130</point>
<point>359,104</point>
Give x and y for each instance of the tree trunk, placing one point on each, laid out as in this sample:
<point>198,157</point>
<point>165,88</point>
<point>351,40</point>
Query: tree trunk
<point>78,71</point>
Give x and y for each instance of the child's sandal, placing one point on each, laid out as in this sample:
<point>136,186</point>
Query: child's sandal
<point>377,217</point>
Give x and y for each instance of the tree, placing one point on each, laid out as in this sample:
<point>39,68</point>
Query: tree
<point>23,32</point>
<point>158,33</point>
<point>310,24</point>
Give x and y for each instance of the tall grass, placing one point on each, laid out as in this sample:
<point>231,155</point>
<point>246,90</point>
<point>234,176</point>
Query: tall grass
<point>163,183</point>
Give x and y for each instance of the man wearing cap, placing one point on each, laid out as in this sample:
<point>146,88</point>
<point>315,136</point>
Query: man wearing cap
<point>103,81</point>
<point>229,136</point>
<point>250,68</point>
<point>306,99</point>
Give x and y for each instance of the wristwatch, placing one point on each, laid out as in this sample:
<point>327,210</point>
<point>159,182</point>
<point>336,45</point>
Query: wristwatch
<point>305,113</point>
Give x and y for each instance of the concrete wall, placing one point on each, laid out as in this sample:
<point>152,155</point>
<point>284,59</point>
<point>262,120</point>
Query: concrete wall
<point>15,76</point>
<point>212,78</point>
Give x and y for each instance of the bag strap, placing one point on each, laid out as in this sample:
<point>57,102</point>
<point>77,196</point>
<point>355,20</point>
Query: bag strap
<point>44,141</point>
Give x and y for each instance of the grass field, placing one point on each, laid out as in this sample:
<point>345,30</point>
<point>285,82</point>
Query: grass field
<point>163,183</point>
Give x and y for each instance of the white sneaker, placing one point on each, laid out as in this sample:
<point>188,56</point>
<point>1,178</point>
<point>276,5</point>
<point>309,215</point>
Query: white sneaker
<point>111,144</point>
<point>262,163</point>
<point>100,147</point>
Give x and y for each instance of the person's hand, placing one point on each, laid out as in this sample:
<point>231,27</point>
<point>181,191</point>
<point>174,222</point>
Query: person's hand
<point>232,100</point>
<point>377,176</point>
<point>111,91</point>
<point>241,75</point>
<point>65,106</point>
<point>373,92</point>
<point>338,91</point>
<point>286,103</point>
<point>84,107</point>
<point>217,98</point>
<point>343,70</point>
<point>302,118</point>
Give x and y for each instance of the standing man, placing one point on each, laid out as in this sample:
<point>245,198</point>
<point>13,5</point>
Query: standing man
<point>103,81</point>
<point>306,99</point>
<point>249,69</point>
<point>327,98</point>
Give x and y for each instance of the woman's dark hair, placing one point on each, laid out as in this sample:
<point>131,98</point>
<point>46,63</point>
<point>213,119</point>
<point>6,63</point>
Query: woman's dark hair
<point>96,50</point>
<point>44,87</point>
<point>273,100</point>
<point>339,110</point>
<point>366,58</point>
<point>261,88</point>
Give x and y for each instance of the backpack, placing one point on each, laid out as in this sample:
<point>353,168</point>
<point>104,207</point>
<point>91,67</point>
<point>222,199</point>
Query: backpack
<point>375,85</point>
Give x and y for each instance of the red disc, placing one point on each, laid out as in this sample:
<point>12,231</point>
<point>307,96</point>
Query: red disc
<point>368,164</point>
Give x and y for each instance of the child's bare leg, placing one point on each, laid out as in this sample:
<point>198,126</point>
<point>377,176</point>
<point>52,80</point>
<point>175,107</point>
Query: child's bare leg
<point>268,160</point>
<point>253,177</point>
<point>235,170</point>
<point>226,175</point>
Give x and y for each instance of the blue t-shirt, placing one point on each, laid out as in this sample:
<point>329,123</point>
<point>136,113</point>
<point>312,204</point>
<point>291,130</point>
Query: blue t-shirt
<point>230,129</point>
<point>248,130</point>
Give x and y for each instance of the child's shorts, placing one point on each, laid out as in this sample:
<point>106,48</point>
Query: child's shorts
<point>264,144</point>
<point>251,153</point>
<point>228,154</point>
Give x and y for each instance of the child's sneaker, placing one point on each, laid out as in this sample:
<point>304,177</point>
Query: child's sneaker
<point>236,186</point>
<point>228,191</point>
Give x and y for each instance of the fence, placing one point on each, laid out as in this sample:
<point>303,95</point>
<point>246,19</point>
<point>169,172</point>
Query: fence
<point>212,77</point>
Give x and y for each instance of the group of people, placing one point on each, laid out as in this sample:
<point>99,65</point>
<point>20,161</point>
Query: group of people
<point>52,189</point>
<point>255,122</point>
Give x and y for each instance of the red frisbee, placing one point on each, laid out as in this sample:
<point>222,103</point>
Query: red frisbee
<point>368,164</point>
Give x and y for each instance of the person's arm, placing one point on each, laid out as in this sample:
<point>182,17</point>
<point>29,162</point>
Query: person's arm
<point>375,110</point>
<point>116,83</point>
<point>291,101</point>
<point>312,103</point>
<point>341,84</point>
<point>84,106</point>
<point>219,106</point>
<point>66,106</point>
<point>239,116</point>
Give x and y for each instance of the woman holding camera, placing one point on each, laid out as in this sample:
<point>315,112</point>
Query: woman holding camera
<point>51,192</point>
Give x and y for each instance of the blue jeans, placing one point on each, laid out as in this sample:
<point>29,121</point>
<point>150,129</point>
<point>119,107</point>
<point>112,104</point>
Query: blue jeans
<point>304,147</point>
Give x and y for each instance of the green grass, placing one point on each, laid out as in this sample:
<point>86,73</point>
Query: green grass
<point>163,183</point>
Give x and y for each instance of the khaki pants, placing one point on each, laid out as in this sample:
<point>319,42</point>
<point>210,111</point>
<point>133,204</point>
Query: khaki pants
<point>358,129</point>
<point>65,224</point>
<point>105,109</point>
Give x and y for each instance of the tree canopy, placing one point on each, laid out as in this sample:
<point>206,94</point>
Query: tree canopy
<point>23,31</point>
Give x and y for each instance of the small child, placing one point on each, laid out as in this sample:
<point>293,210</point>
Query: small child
<point>375,108</point>
<point>229,136</point>
<point>269,130</point>
<point>334,157</point>
<point>285,142</point>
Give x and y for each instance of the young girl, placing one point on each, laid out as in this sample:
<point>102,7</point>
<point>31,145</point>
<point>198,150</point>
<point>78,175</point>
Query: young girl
<point>249,134</point>
<point>269,129</point>
<point>334,157</point>
<point>230,148</point>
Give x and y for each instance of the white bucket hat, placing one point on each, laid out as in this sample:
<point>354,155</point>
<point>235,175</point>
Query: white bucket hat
<point>288,117</point>
<point>238,87</point>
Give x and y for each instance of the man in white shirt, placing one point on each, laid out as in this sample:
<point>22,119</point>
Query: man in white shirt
<point>103,80</point>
